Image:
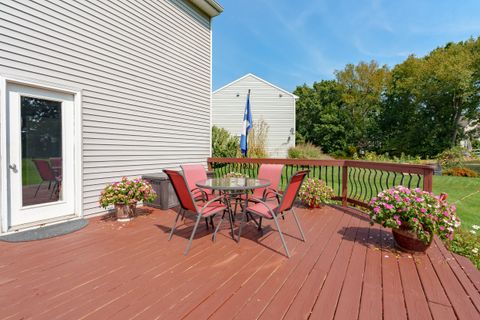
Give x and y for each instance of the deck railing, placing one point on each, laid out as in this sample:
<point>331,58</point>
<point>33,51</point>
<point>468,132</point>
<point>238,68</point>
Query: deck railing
<point>354,182</point>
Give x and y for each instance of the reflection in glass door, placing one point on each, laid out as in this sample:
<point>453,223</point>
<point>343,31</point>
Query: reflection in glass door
<point>41,150</point>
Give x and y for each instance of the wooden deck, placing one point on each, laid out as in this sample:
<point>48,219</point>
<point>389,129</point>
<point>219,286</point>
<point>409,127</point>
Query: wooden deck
<point>345,270</point>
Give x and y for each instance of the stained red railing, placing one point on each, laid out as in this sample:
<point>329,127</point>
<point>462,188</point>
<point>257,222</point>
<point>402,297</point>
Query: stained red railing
<point>353,181</point>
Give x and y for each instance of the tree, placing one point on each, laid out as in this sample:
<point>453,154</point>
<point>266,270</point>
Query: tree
<point>319,115</point>
<point>428,97</point>
<point>362,87</point>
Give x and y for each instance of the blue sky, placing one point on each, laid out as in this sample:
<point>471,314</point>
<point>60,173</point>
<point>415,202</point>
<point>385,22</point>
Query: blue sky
<point>291,42</point>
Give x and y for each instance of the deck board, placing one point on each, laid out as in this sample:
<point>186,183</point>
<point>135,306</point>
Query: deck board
<point>346,269</point>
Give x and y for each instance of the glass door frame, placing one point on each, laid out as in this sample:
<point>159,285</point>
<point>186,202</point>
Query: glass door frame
<point>5,205</point>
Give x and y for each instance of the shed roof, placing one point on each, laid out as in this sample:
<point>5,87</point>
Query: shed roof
<point>260,79</point>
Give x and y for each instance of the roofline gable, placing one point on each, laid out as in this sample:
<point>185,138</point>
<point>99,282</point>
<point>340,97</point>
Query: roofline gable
<point>260,79</point>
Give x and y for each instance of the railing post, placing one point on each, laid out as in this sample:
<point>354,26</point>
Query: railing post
<point>344,185</point>
<point>428,180</point>
<point>209,163</point>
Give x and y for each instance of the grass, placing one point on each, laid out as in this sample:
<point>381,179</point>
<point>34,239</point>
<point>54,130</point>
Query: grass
<point>29,173</point>
<point>464,193</point>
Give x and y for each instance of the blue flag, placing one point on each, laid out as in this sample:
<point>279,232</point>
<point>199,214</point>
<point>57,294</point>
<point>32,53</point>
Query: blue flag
<point>247,125</point>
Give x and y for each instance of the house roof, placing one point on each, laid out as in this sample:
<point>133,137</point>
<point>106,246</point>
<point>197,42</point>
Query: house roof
<point>211,7</point>
<point>260,79</point>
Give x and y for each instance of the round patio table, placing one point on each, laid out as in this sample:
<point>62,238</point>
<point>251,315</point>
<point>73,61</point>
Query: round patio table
<point>234,187</point>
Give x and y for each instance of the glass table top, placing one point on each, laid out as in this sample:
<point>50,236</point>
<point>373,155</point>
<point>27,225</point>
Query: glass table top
<point>233,184</point>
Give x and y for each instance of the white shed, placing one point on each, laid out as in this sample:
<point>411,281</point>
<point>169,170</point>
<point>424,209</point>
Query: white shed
<point>100,90</point>
<point>274,105</point>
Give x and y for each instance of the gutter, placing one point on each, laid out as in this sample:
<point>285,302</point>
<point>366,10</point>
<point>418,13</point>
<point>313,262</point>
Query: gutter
<point>210,7</point>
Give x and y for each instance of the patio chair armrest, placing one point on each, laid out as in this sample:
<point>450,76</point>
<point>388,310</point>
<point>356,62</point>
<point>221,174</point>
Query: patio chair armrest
<point>204,194</point>
<point>210,202</point>
<point>270,190</point>
<point>265,205</point>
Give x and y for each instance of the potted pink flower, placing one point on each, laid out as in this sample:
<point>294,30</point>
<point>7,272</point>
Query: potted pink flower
<point>414,216</point>
<point>315,193</point>
<point>125,195</point>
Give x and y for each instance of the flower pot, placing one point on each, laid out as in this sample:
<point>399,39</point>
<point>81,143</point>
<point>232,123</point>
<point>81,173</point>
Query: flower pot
<point>124,212</point>
<point>408,241</point>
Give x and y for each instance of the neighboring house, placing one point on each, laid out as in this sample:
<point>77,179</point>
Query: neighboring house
<point>95,90</point>
<point>267,101</point>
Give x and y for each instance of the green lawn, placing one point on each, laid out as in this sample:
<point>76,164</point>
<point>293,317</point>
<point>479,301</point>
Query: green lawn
<point>464,193</point>
<point>29,173</point>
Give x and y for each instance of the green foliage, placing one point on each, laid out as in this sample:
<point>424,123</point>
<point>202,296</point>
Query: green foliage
<point>428,97</point>
<point>403,158</point>
<point>418,108</point>
<point>319,116</point>
<point>467,243</point>
<point>453,157</point>
<point>224,145</point>
<point>306,151</point>
<point>257,140</point>
<point>314,193</point>
<point>460,172</point>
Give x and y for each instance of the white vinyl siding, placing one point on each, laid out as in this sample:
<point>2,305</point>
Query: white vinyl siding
<point>144,68</point>
<point>267,102</point>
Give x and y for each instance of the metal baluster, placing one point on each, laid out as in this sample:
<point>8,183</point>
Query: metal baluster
<point>339,180</point>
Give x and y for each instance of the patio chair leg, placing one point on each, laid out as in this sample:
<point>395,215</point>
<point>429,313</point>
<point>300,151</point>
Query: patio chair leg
<point>38,188</point>
<point>175,223</point>
<point>193,234</point>
<point>206,222</point>
<point>211,223</point>
<point>183,214</point>
<point>260,224</point>
<point>298,224</point>
<point>241,225</point>
<point>214,237</point>
<point>236,205</point>
<point>281,236</point>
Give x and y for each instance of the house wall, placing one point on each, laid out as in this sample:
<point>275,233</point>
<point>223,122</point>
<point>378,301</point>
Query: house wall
<point>144,69</point>
<point>265,103</point>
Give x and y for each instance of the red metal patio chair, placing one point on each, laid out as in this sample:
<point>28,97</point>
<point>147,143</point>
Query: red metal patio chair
<point>194,173</point>
<point>188,204</point>
<point>271,172</point>
<point>46,174</point>
<point>269,210</point>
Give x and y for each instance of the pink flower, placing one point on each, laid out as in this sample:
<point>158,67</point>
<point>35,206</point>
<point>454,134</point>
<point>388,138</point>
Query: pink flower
<point>423,210</point>
<point>376,209</point>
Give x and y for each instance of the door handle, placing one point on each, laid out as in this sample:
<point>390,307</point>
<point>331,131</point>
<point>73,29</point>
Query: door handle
<point>13,167</point>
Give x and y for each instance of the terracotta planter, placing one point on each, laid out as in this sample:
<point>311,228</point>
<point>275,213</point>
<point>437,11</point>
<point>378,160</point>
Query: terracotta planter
<point>125,212</point>
<point>408,241</point>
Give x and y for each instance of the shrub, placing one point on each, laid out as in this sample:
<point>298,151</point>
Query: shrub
<point>460,172</point>
<point>454,157</point>
<point>224,145</point>
<point>420,211</point>
<point>467,243</point>
<point>127,192</point>
<point>306,151</point>
<point>372,156</point>
<point>257,140</point>
<point>314,193</point>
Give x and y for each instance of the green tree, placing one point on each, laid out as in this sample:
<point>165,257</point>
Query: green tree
<point>319,115</point>
<point>362,88</point>
<point>427,98</point>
